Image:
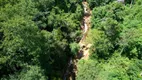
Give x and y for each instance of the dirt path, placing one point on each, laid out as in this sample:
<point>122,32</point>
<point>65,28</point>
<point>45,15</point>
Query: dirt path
<point>84,47</point>
<point>83,53</point>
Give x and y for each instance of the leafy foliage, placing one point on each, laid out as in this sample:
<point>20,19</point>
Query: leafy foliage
<point>35,37</point>
<point>94,3</point>
<point>116,37</point>
<point>38,37</point>
<point>116,68</point>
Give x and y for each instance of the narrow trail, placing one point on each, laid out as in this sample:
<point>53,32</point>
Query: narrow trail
<point>83,53</point>
<point>84,47</point>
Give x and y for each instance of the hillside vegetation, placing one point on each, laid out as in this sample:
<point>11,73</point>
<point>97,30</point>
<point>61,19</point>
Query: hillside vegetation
<point>39,39</point>
<point>116,36</point>
<point>36,37</point>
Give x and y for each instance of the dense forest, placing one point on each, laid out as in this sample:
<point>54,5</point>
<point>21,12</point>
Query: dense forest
<point>36,37</point>
<point>39,37</point>
<point>116,35</point>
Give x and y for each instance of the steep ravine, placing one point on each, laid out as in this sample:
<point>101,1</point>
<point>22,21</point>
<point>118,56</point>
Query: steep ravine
<point>83,53</point>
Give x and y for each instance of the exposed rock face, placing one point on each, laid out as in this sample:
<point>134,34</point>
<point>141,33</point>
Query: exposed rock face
<point>121,1</point>
<point>86,8</point>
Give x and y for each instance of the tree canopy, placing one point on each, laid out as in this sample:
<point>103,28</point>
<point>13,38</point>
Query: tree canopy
<point>39,37</point>
<point>115,33</point>
<point>36,35</point>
